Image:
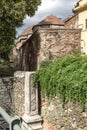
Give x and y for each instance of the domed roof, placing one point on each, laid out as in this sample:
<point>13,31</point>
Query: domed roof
<point>52,20</point>
<point>49,20</point>
<point>27,31</point>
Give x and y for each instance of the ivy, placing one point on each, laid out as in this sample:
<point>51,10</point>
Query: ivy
<point>66,77</point>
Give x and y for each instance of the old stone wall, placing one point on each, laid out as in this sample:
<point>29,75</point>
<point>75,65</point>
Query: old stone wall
<point>55,117</point>
<point>6,87</point>
<point>56,43</point>
<point>12,93</point>
<point>28,53</point>
<point>48,44</point>
<point>18,93</point>
<point>56,39</point>
<point>72,22</point>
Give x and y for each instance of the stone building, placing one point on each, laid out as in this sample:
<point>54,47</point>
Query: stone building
<point>81,9</point>
<point>71,21</point>
<point>49,22</point>
<point>49,40</point>
<point>20,41</point>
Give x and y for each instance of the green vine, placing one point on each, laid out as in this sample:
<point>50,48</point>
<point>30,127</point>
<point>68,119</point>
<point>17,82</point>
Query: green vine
<point>66,76</point>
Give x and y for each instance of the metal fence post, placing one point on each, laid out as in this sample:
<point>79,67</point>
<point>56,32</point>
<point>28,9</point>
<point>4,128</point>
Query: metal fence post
<point>14,123</point>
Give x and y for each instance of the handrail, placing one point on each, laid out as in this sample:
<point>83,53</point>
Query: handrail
<point>13,122</point>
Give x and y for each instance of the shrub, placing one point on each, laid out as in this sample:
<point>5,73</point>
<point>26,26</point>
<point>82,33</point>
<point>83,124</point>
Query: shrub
<point>65,76</point>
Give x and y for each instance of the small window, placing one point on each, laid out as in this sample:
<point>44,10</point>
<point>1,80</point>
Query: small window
<point>86,23</point>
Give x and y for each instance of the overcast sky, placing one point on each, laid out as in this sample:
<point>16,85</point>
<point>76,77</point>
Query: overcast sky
<point>60,8</point>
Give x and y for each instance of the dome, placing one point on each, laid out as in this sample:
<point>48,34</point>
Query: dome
<point>49,22</point>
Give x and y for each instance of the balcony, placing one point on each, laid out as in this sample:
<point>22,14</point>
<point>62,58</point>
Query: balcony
<point>79,8</point>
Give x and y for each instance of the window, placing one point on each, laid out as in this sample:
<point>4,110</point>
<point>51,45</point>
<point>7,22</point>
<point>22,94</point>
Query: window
<point>86,23</point>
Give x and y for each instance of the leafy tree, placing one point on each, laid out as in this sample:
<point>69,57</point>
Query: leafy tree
<point>12,13</point>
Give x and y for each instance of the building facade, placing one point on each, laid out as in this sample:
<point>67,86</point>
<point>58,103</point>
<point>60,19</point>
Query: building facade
<point>81,9</point>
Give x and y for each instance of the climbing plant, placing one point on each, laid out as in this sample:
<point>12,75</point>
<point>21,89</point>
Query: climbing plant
<point>66,77</point>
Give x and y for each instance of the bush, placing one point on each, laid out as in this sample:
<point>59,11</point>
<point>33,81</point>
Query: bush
<point>66,76</point>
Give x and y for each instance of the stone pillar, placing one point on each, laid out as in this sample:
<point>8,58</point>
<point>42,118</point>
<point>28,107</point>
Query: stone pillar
<point>31,119</point>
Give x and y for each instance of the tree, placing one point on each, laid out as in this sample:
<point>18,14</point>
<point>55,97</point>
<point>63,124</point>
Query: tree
<point>12,13</point>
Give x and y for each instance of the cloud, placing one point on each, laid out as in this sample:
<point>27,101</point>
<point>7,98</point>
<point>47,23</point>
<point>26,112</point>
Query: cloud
<point>59,8</point>
<point>48,5</point>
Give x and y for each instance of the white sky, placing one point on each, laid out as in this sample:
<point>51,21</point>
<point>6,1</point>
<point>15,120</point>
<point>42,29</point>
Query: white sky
<point>60,8</point>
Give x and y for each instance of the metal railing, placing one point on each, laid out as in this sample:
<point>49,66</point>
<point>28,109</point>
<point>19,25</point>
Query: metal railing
<point>14,122</point>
